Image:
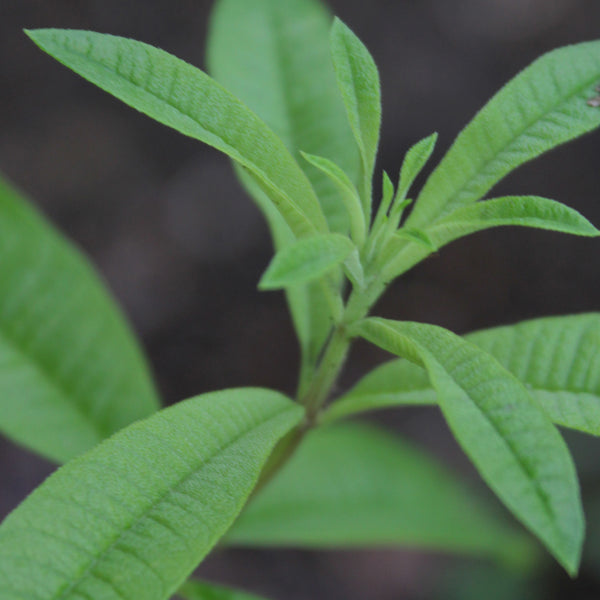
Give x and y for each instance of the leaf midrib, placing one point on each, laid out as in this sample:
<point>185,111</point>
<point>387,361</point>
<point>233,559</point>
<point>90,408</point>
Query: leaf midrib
<point>541,492</point>
<point>62,594</point>
<point>449,205</point>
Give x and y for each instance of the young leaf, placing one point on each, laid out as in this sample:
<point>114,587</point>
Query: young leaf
<point>71,370</point>
<point>353,485</point>
<point>542,107</point>
<point>197,590</point>
<point>526,211</point>
<point>513,444</point>
<point>358,80</point>
<point>180,96</point>
<point>555,357</point>
<point>133,517</point>
<point>348,192</point>
<point>414,161</point>
<point>306,260</point>
<point>274,56</point>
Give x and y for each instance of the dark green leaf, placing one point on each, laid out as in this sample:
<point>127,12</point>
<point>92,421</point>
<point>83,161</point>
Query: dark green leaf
<point>133,517</point>
<point>514,445</point>
<point>72,372</point>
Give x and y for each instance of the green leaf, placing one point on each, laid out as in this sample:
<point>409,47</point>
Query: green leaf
<point>423,238</point>
<point>542,107</point>
<point>511,441</point>
<point>353,485</point>
<point>274,56</point>
<point>133,517</point>
<point>525,211</point>
<point>348,191</point>
<point>71,370</point>
<point>180,96</point>
<point>555,357</point>
<point>306,260</point>
<point>197,590</point>
<point>414,161</point>
<point>358,81</point>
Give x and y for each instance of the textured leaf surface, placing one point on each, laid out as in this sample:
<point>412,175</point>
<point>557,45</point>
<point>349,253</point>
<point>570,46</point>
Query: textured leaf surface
<point>348,191</point>
<point>354,485</point>
<point>133,517</point>
<point>71,372</point>
<point>557,358</point>
<point>358,80</point>
<point>526,211</point>
<point>414,161</point>
<point>274,56</point>
<point>511,441</point>
<point>182,97</point>
<point>306,260</point>
<point>196,590</point>
<point>542,107</point>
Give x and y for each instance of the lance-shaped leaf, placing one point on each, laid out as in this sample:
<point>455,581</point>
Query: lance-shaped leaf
<point>274,56</point>
<point>358,80</point>
<point>306,260</point>
<point>71,371</point>
<point>133,517</point>
<point>183,97</point>
<point>523,211</point>
<point>515,447</point>
<point>348,192</point>
<point>542,107</point>
<point>557,358</point>
<point>414,161</point>
<point>199,590</point>
<point>353,485</point>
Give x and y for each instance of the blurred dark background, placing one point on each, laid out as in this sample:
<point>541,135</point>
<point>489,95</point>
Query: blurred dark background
<point>165,221</point>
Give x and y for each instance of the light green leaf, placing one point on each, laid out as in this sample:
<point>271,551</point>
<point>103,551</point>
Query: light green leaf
<point>511,441</point>
<point>525,211</point>
<point>414,161</point>
<point>133,517</point>
<point>421,237</point>
<point>71,370</point>
<point>542,107</point>
<point>180,96</point>
<point>354,486</point>
<point>358,81</point>
<point>274,56</point>
<point>197,590</point>
<point>306,260</point>
<point>348,192</point>
<point>557,358</point>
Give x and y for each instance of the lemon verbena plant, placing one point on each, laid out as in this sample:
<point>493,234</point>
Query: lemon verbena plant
<point>145,493</point>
